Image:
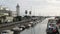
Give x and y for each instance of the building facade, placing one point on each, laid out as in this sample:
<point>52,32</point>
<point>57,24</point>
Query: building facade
<point>5,11</point>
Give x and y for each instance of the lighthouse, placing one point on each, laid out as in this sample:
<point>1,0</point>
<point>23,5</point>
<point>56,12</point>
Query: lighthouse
<point>18,10</point>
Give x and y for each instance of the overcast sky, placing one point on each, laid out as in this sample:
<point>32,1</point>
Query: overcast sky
<point>38,7</point>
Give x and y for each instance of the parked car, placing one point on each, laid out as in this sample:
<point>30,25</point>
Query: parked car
<point>23,27</point>
<point>57,17</point>
<point>32,24</point>
<point>58,25</point>
<point>7,32</point>
<point>52,28</point>
<point>52,20</point>
<point>27,25</point>
<point>38,21</point>
<point>17,29</point>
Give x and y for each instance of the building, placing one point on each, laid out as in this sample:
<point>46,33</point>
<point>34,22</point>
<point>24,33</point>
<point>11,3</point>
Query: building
<point>18,10</point>
<point>5,14</point>
<point>5,11</point>
<point>14,14</point>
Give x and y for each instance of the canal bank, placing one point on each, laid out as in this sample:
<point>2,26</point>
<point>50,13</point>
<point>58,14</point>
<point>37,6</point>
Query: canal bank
<point>31,30</point>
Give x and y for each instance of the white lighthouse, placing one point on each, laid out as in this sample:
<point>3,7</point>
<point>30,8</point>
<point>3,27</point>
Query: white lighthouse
<point>18,10</point>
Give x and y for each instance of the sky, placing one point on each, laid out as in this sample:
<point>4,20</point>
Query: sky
<point>38,7</point>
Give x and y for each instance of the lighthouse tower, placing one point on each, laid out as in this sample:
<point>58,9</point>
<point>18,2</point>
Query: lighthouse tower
<point>18,10</point>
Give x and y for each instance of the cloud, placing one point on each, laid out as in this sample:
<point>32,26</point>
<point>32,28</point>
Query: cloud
<point>38,7</point>
<point>53,1</point>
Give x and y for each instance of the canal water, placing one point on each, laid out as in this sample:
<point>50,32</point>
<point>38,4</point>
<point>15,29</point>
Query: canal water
<point>38,29</point>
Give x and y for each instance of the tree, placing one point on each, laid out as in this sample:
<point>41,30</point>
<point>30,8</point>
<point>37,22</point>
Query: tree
<point>30,12</point>
<point>26,12</point>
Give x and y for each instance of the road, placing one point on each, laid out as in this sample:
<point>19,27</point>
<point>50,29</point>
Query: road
<point>38,29</point>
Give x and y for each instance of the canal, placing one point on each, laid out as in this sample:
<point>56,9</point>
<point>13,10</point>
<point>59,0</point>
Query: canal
<point>40,28</point>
